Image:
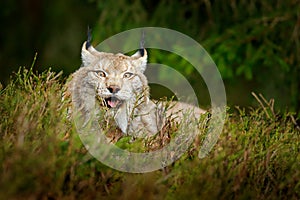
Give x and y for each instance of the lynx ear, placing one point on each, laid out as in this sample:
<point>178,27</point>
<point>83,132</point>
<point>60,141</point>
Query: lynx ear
<point>140,59</point>
<point>88,54</point>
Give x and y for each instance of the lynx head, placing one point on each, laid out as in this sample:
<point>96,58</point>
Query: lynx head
<point>117,78</point>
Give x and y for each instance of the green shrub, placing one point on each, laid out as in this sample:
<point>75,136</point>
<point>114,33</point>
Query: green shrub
<point>41,155</point>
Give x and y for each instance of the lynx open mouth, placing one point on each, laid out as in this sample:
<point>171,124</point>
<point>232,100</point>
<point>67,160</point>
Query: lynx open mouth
<point>113,102</point>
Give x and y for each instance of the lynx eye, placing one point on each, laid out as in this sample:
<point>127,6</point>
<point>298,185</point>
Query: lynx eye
<point>128,75</point>
<point>101,73</point>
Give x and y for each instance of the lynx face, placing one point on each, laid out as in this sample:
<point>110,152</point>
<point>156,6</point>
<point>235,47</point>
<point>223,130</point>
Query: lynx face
<point>117,78</point>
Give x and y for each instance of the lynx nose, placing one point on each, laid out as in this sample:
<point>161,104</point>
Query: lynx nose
<point>113,89</point>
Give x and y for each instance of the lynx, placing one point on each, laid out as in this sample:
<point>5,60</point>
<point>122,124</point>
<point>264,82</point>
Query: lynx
<point>118,83</point>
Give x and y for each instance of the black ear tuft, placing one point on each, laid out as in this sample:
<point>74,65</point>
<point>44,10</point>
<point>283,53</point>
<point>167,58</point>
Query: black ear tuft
<point>142,44</point>
<point>89,38</point>
<point>141,51</point>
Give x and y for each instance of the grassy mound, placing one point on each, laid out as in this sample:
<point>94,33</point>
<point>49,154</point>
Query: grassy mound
<point>42,157</point>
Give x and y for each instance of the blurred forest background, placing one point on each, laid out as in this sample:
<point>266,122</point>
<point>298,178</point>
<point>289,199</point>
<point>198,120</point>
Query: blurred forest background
<point>255,43</point>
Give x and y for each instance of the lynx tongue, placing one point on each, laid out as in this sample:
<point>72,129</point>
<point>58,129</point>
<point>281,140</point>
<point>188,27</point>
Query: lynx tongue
<point>113,102</point>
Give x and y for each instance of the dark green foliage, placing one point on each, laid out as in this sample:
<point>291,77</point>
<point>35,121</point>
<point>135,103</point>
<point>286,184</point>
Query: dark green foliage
<point>254,43</point>
<point>41,155</point>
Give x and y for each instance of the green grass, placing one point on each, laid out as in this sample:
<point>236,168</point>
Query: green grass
<point>41,155</point>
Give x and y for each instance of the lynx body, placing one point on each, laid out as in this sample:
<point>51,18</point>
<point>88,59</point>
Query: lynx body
<point>119,83</point>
